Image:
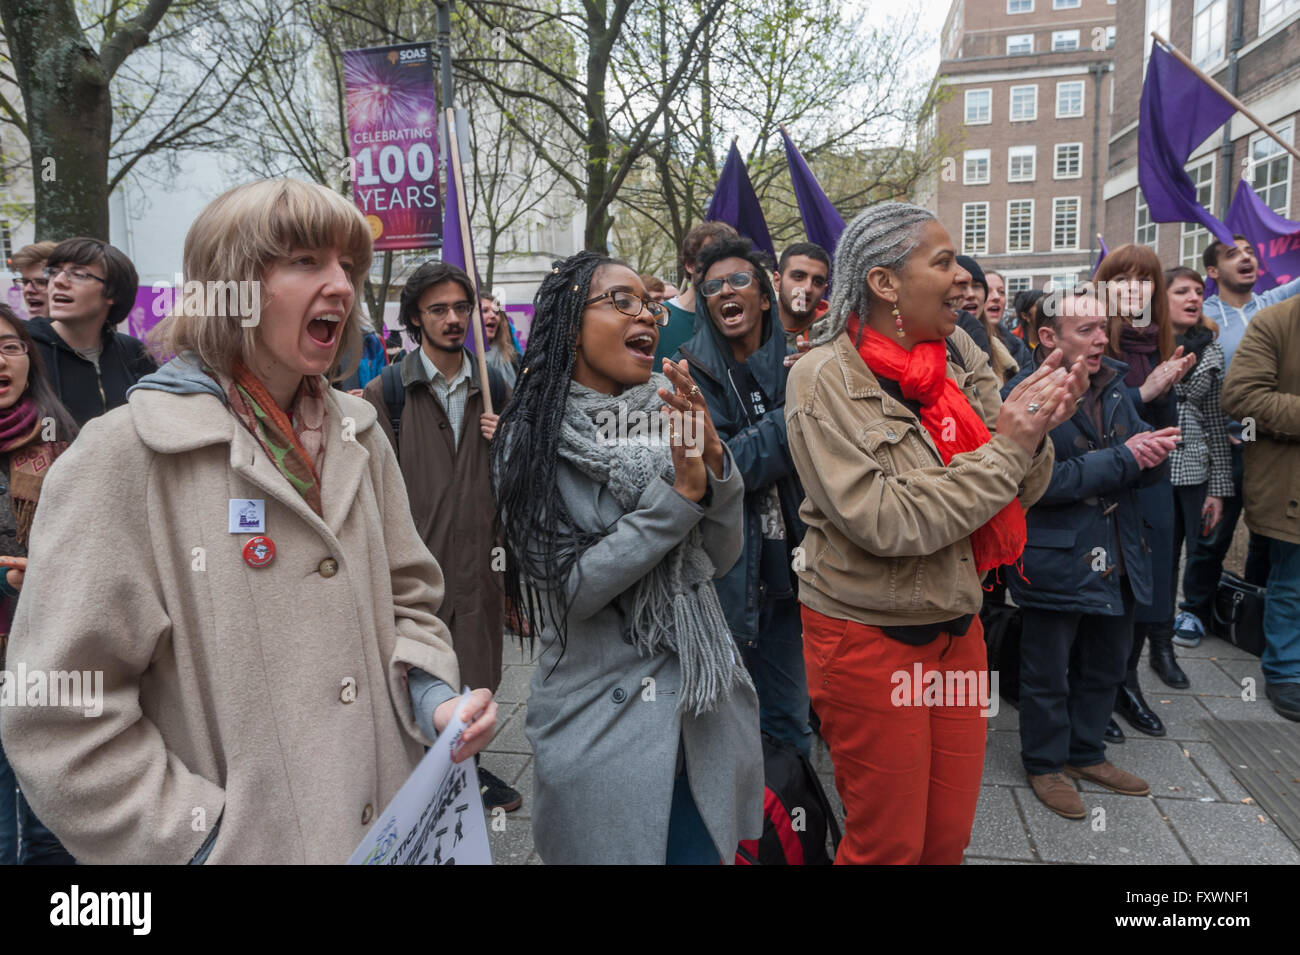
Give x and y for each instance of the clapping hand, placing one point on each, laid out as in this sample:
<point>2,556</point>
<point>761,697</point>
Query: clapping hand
<point>1167,374</point>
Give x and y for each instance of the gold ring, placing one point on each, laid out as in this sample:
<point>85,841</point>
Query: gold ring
<point>695,390</point>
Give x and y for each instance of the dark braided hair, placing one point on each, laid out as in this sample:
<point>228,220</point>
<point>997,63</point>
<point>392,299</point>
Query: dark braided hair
<point>542,543</point>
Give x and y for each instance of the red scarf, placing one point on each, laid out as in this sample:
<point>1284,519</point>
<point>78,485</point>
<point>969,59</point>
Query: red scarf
<point>922,374</point>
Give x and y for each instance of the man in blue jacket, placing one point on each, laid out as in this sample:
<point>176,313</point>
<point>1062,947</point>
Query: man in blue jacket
<point>1085,564</point>
<point>737,357</point>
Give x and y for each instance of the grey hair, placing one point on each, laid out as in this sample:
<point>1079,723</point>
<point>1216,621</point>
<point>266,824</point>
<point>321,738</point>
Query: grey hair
<point>883,235</point>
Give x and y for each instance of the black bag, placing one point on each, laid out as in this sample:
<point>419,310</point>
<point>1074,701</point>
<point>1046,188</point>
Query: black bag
<point>796,813</point>
<point>1002,627</point>
<point>1238,614</point>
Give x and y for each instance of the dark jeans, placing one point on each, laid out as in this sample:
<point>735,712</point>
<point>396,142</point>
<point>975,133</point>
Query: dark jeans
<point>1281,658</point>
<point>689,842</point>
<point>8,812</point>
<point>23,838</point>
<point>1070,664</point>
<point>776,666</point>
<point>1205,555</point>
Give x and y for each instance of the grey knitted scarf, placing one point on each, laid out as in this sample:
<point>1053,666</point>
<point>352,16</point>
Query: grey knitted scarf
<point>675,606</point>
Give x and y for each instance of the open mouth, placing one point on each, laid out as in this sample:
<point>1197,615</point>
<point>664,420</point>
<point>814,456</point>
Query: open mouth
<point>642,346</point>
<point>955,304</point>
<point>324,329</point>
<point>5,381</point>
<point>731,313</point>
<point>58,298</point>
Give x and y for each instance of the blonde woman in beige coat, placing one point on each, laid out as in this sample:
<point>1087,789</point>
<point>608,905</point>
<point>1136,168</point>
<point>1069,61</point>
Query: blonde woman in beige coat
<point>233,551</point>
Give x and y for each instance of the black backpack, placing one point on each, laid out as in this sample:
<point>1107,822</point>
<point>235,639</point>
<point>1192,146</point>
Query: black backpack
<point>1002,630</point>
<point>395,395</point>
<point>796,813</point>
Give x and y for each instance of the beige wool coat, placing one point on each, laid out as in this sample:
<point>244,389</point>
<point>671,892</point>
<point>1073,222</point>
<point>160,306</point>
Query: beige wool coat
<point>274,698</point>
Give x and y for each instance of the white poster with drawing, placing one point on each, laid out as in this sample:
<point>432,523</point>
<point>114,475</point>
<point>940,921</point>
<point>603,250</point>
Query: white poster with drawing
<point>436,818</point>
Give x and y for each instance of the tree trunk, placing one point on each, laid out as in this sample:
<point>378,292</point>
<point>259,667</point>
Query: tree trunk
<point>596,231</point>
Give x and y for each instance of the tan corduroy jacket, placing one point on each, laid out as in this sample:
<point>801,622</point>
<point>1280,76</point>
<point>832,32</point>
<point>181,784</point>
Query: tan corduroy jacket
<point>889,526</point>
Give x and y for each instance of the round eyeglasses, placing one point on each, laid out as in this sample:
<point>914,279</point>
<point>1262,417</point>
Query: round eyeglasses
<point>626,303</point>
<point>737,281</point>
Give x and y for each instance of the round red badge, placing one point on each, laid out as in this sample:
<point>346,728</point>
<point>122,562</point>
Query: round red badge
<point>259,552</point>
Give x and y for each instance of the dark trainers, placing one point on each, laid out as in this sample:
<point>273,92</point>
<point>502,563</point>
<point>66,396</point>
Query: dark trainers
<point>1058,794</point>
<point>1112,777</point>
<point>1285,698</point>
<point>496,794</point>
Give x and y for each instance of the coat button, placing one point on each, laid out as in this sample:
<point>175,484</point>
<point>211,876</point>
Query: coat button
<point>891,435</point>
<point>328,567</point>
<point>367,814</point>
<point>348,690</point>
<point>619,694</point>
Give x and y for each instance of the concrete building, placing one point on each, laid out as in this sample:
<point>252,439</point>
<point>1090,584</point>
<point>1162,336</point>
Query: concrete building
<point>1025,122</point>
<point>1264,38</point>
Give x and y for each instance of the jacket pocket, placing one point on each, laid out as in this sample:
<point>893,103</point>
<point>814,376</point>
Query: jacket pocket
<point>883,440</point>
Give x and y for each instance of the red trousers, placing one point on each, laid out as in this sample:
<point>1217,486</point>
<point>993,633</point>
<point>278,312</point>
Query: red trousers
<point>908,760</point>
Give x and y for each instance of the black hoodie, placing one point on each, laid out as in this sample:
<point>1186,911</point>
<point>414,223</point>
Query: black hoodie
<point>84,392</point>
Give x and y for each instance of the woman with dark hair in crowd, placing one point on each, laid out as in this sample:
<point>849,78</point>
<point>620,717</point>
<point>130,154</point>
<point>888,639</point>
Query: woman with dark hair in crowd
<point>35,428</point>
<point>1132,280</point>
<point>1026,313</point>
<point>1201,466</point>
<point>995,306</point>
<point>642,719</point>
<point>917,477</point>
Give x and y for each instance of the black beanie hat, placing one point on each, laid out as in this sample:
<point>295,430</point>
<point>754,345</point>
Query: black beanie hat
<point>976,273</point>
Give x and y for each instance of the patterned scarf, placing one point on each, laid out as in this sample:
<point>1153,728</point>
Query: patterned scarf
<point>922,374</point>
<point>295,442</point>
<point>29,460</point>
<point>674,606</point>
<point>1139,349</point>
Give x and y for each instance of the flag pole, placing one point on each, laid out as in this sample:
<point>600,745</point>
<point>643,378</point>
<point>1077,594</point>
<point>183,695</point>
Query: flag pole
<point>1236,104</point>
<point>467,242</point>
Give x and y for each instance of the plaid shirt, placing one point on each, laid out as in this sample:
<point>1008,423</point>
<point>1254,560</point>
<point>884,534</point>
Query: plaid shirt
<point>453,394</point>
<point>1205,454</point>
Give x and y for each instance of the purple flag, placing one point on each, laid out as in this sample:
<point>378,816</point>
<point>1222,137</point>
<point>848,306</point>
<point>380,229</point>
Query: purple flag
<point>1276,239</point>
<point>1177,114</point>
<point>453,249</point>
<point>821,223</point>
<point>735,203</point>
<point>1101,254</point>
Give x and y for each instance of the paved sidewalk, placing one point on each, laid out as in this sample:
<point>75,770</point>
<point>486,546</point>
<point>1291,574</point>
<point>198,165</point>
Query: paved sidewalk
<point>1197,813</point>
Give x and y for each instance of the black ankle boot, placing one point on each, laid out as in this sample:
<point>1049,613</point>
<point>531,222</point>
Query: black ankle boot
<point>1130,705</point>
<point>1163,661</point>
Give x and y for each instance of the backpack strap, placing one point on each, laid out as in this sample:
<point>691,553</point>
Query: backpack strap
<point>395,398</point>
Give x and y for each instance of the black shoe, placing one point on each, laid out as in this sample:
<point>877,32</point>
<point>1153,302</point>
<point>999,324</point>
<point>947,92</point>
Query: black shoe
<point>1113,733</point>
<point>1285,698</point>
<point>496,794</point>
<point>1130,705</point>
<point>1163,661</point>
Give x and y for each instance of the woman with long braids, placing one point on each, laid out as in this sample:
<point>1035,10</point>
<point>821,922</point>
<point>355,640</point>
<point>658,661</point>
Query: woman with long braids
<point>643,722</point>
<point>917,478</point>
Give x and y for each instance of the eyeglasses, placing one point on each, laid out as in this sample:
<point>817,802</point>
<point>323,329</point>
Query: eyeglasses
<point>626,303</point>
<point>737,281</point>
<point>80,276</point>
<point>12,348</point>
<point>35,283</point>
<point>439,311</point>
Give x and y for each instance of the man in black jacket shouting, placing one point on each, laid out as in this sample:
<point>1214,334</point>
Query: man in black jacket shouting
<point>91,289</point>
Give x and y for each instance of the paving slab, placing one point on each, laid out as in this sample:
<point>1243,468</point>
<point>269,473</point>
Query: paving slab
<point>1134,832</point>
<point>1226,834</point>
<point>1206,678</point>
<point>1002,765</point>
<point>998,831</point>
<point>1258,710</point>
<point>1238,670</point>
<point>510,737</point>
<point>1007,718</point>
<point>1184,717</point>
<point>1163,764</point>
<point>511,839</point>
<point>514,685</point>
<point>1214,647</point>
<point>1212,765</point>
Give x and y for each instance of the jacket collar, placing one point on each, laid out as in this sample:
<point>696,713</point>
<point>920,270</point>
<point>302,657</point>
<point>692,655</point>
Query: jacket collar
<point>861,382</point>
<point>414,372</point>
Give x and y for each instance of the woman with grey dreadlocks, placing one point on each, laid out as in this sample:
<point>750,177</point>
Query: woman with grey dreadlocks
<point>643,722</point>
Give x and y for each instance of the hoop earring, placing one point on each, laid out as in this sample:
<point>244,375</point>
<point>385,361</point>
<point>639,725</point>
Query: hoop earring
<point>898,322</point>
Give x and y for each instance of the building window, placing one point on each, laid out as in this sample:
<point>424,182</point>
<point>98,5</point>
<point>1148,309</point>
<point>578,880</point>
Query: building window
<point>1068,161</point>
<point>1020,43</point>
<point>1065,282</point>
<point>1017,284</point>
<point>1024,103</point>
<point>1020,6</point>
<point>1020,163</point>
<point>1273,12</point>
<point>1069,99</point>
<point>1110,37</point>
<point>975,169</point>
<point>1195,237</point>
<point>6,241</point>
<point>1209,31</point>
<point>1065,224</point>
<point>1020,225</point>
<point>979,107</point>
<point>1063,41</point>
<point>1157,21</point>
<point>1065,4</point>
<point>974,228</point>
<point>1271,168</point>
<point>1144,230</point>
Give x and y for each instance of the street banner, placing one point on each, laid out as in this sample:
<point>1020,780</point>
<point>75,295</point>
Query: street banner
<point>735,203</point>
<point>392,107</point>
<point>1276,239</point>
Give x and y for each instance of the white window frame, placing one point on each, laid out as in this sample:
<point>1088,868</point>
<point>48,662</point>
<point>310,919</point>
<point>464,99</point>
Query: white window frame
<point>975,155</point>
<point>1083,99</point>
<point>1139,205</point>
<point>1287,132</point>
<point>1056,164</point>
<point>1030,249</point>
<point>966,103</point>
<point>1063,35</point>
<point>1014,152</point>
<point>1011,103</point>
<point>1065,4</point>
<point>1078,224</point>
<point>1012,292</point>
<point>1194,231</point>
<point>1011,12</point>
<point>1020,37</point>
<point>1110,35</point>
<point>1274,12</point>
<point>1071,280</point>
<point>1159,18</point>
<point>970,250</point>
<point>1209,41</point>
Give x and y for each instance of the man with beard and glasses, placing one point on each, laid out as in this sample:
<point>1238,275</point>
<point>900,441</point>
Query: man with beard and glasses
<point>800,281</point>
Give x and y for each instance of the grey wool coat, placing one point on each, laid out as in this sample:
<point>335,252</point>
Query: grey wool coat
<point>604,726</point>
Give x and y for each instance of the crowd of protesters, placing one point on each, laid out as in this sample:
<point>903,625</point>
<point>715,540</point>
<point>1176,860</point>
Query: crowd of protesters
<point>283,584</point>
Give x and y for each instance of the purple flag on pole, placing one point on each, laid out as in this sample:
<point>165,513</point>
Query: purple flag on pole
<point>735,203</point>
<point>1178,112</point>
<point>821,223</point>
<point>1276,239</point>
<point>1101,253</point>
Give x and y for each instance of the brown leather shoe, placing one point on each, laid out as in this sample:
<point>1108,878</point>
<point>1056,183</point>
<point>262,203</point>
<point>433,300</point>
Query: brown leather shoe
<point>1058,794</point>
<point>1112,777</point>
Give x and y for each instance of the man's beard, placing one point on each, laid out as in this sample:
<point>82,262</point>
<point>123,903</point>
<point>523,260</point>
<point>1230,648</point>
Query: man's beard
<point>447,348</point>
<point>1238,286</point>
